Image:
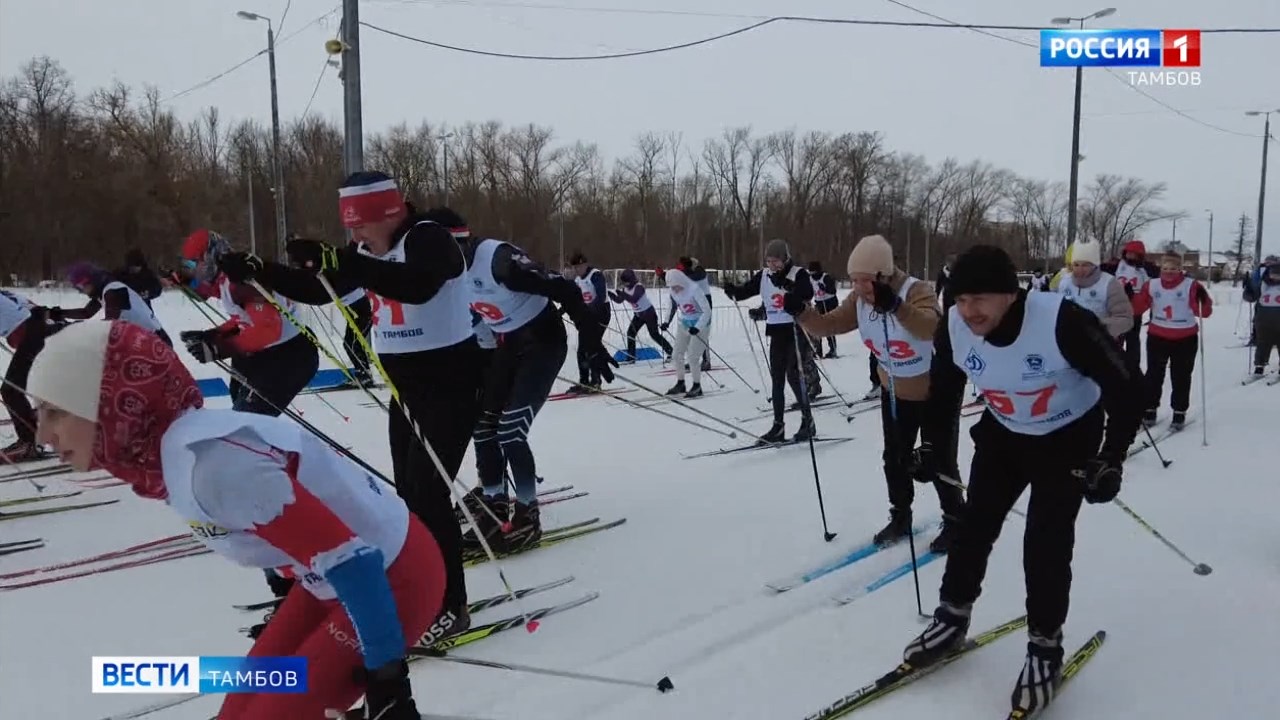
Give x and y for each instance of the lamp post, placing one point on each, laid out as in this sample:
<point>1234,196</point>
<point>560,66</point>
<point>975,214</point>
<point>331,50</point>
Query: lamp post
<point>276,170</point>
<point>1262,185</point>
<point>1074,191</point>
<point>444,139</point>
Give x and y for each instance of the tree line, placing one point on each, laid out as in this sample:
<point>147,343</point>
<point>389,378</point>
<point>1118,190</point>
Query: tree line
<point>89,176</point>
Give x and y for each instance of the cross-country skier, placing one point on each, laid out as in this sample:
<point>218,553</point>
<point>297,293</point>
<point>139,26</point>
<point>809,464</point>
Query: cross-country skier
<point>264,493</point>
<point>415,273</point>
<point>694,312</point>
<point>1133,270</point>
<point>594,290</point>
<point>824,301</point>
<point>24,325</point>
<point>882,291</point>
<point>942,286</point>
<point>779,278</point>
<point>1047,368</point>
<point>632,293</point>
<point>692,268</point>
<point>1175,300</point>
<point>1039,282</point>
<point>139,276</point>
<point>266,349</point>
<point>1264,292</point>
<point>115,299</point>
<point>1098,292</point>
<point>517,299</point>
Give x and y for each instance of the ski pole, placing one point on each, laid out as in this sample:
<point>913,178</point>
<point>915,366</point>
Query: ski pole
<point>684,405</point>
<point>708,373</point>
<point>1151,439</point>
<point>897,459</point>
<point>808,417</point>
<point>642,406</point>
<point>737,309</point>
<point>1204,394</point>
<point>662,686</point>
<point>830,382</point>
<point>956,483</point>
<point>1198,568</point>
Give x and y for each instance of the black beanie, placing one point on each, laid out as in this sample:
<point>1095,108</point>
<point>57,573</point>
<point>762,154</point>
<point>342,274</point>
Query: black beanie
<point>983,269</point>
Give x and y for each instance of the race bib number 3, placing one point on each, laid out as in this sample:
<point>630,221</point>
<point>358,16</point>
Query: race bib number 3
<point>489,311</point>
<point>898,349</point>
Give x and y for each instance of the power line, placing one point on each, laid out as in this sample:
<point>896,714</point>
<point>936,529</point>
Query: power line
<point>320,78</point>
<point>285,15</point>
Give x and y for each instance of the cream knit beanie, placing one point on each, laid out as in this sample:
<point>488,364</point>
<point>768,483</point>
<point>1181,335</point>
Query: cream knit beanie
<point>68,371</point>
<point>872,255</point>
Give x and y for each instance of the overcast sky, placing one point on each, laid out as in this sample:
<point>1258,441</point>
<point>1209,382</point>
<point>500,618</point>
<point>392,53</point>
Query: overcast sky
<point>932,92</point>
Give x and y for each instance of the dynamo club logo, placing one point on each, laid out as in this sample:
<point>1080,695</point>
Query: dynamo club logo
<point>973,363</point>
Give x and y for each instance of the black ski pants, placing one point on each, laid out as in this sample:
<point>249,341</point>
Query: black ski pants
<point>35,330</point>
<point>1180,357</point>
<point>588,375</point>
<point>899,440</point>
<point>648,320</point>
<point>824,307</point>
<point>871,364</point>
<point>784,370</point>
<point>1004,465</point>
<point>439,390</point>
<point>273,377</point>
<point>1132,342</point>
<point>1266,335</point>
<point>362,311</point>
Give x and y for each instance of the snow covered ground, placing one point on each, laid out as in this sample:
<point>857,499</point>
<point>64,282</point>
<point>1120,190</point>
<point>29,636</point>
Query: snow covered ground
<point>681,582</point>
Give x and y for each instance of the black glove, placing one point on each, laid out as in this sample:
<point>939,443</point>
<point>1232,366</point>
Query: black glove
<point>923,466</point>
<point>240,267</point>
<point>1202,295</point>
<point>792,304</point>
<point>664,326</point>
<point>730,289</point>
<point>757,313</point>
<point>781,281</point>
<point>313,254</point>
<point>56,314</point>
<point>388,694</point>
<point>205,345</point>
<point>1101,478</point>
<point>694,331</point>
<point>886,300</point>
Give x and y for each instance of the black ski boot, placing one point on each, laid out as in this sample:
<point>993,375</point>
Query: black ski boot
<point>497,507</point>
<point>677,389</point>
<point>1179,420</point>
<point>526,527</point>
<point>808,430</point>
<point>898,528</point>
<point>776,434</point>
<point>451,622</point>
<point>1149,417</point>
<point>474,501</point>
<point>941,545</point>
<point>943,636</point>
<point>695,391</point>
<point>1041,673</point>
<point>581,388</point>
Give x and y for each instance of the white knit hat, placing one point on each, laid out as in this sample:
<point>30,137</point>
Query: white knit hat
<point>68,371</point>
<point>872,255</point>
<point>1087,252</point>
<point>677,277</point>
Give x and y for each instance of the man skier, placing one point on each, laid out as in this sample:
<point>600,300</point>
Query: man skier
<point>1175,300</point>
<point>139,276</point>
<point>595,295</point>
<point>263,493</point>
<point>1133,270</point>
<point>25,326</point>
<point>632,293</point>
<point>824,301</point>
<point>1264,292</point>
<point>115,299</point>
<point>1047,369</point>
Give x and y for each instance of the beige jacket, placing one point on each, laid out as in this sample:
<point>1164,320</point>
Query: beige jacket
<point>918,314</point>
<point>1118,319</point>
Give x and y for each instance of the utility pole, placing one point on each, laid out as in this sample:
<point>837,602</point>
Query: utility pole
<point>352,110</point>
<point>253,232</point>
<point>277,163</point>
<point>1210,246</point>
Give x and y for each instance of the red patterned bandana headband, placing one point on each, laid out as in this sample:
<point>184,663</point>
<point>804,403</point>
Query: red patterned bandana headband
<point>363,204</point>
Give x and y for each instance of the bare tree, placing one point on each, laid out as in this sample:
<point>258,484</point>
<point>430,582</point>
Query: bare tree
<point>1116,209</point>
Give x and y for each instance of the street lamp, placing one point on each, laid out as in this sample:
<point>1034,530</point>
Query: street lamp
<point>1074,192</point>
<point>1262,186</point>
<point>444,138</point>
<point>276,170</point>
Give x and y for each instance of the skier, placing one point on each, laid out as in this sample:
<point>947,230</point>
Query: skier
<point>1047,369</point>
<point>115,299</point>
<point>415,273</point>
<point>942,286</point>
<point>632,292</point>
<point>266,349</point>
<point>1133,270</point>
<point>824,301</point>
<point>1063,271</point>
<point>1097,291</point>
<point>517,299</point>
<point>1176,300</point>
<point>1264,292</point>
<point>264,493</point>
<point>695,319</point>
<point>595,294</point>
<point>1039,282</point>
<point>24,325</point>
<point>882,291</point>
<point>779,278</point>
<point>139,276</point>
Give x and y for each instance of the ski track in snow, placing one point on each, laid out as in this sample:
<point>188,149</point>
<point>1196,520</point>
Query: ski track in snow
<point>682,582</point>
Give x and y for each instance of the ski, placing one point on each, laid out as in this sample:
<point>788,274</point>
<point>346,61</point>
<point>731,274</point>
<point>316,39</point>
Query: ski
<point>163,544</point>
<point>1253,378</point>
<point>490,629</point>
<point>1273,379</point>
<point>1069,670</point>
<point>906,674</point>
<point>49,511</point>
<point>904,569</point>
<point>473,607</point>
<point>650,401</point>
<point>566,533</point>
<point>462,517</point>
<point>820,401</point>
<point>175,554</point>
<point>60,469</point>
<point>592,393</point>
<point>16,543</point>
<point>38,498</point>
<point>861,553</point>
<point>765,446</point>
<point>672,371</point>
<point>24,548</point>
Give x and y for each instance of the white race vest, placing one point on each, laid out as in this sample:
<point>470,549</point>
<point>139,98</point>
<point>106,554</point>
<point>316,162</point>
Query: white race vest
<point>704,285</point>
<point>367,506</point>
<point>642,304</point>
<point>1171,308</point>
<point>1132,277</point>
<point>287,329</point>
<point>772,296</point>
<point>819,288</point>
<point>1028,386</point>
<point>588,288</point>
<point>442,321</point>
<point>139,312</point>
<point>687,304</point>
<point>1093,298</point>
<point>906,354</point>
<point>14,310</point>
<point>1040,283</point>
<point>1268,295</point>
<point>503,309</point>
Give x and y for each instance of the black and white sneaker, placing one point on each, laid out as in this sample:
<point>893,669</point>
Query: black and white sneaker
<point>943,636</point>
<point>1041,674</point>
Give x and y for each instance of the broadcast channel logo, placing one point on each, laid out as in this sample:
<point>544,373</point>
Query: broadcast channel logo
<point>1176,50</point>
<point>203,674</point>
